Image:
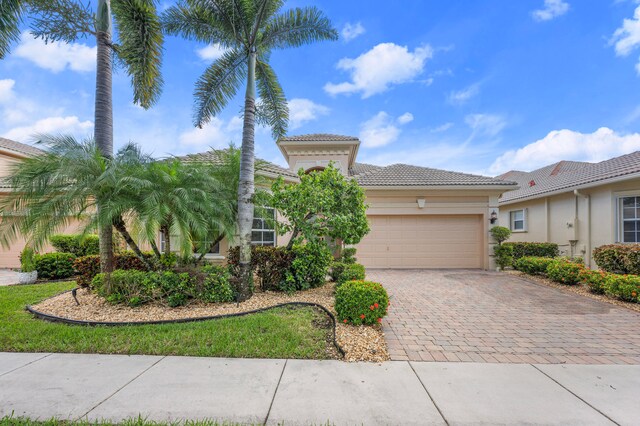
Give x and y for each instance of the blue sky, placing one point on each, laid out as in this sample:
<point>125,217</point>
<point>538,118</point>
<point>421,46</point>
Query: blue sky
<point>475,86</point>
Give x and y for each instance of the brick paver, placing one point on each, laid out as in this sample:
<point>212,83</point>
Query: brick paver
<point>476,316</point>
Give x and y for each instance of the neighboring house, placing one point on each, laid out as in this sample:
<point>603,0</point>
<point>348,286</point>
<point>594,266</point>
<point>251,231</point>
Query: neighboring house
<point>577,205</point>
<point>420,217</point>
<point>12,153</point>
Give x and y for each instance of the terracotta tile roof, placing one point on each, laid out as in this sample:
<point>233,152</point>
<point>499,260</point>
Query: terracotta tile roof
<point>407,175</point>
<point>359,168</point>
<point>318,137</point>
<point>566,175</point>
<point>265,166</point>
<point>19,147</point>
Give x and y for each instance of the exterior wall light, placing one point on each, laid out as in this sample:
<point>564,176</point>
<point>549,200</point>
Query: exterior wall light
<point>494,217</point>
<point>421,202</point>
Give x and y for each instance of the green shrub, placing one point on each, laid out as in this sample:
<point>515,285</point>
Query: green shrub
<point>618,258</point>
<point>216,286</point>
<point>594,279</point>
<point>624,287</point>
<point>351,272</point>
<point>309,267</point>
<point>500,234</point>
<point>76,244</point>
<point>336,269</point>
<point>27,260</point>
<point>564,271</point>
<point>534,250</point>
<point>127,286</point>
<point>88,267</point>
<point>348,255</point>
<point>55,265</point>
<point>533,265</point>
<point>503,255</point>
<point>269,264</point>
<point>361,302</point>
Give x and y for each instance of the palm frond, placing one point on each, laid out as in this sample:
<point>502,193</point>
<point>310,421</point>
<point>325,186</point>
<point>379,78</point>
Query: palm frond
<point>11,15</point>
<point>218,85</point>
<point>140,47</point>
<point>65,20</point>
<point>297,27</point>
<point>274,109</point>
<point>198,20</point>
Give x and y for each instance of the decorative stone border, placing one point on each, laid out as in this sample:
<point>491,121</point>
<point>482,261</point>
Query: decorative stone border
<point>69,321</point>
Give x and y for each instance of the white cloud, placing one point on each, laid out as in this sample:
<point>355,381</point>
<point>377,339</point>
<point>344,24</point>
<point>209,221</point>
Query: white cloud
<point>56,56</point>
<point>462,96</point>
<point>210,52</point>
<point>6,90</point>
<point>485,124</point>
<point>565,144</point>
<point>213,134</point>
<point>627,38</point>
<point>405,118</point>
<point>351,31</point>
<point>384,65</point>
<point>442,128</point>
<point>551,9</point>
<point>382,129</point>
<point>51,125</point>
<point>235,124</point>
<point>303,110</point>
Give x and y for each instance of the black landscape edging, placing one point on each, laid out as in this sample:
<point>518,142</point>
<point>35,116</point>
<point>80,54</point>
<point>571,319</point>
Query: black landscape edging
<point>54,318</point>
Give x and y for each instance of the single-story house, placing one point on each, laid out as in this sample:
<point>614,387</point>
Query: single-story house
<point>419,217</point>
<point>577,205</point>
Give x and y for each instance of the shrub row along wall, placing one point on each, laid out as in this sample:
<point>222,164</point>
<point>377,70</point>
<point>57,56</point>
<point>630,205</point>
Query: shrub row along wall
<point>533,249</point>
<point>618,258</point>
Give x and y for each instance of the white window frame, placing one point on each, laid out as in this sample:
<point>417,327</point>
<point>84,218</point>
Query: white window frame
<point>512,220</point>
<point>620,216</point>
<point>262,242</point>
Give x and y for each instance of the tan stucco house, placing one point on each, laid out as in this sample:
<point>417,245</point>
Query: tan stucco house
<point>420,217</point>
<point>577,205</point>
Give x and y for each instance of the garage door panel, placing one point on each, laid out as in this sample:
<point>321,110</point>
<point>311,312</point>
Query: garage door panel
<point>423,242</point>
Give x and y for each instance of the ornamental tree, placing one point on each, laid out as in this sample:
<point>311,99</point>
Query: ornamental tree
<point>323,204</point>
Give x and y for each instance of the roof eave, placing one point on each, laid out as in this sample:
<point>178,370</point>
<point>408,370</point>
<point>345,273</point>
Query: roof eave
<point>500,187</point>
<point>571,188</point>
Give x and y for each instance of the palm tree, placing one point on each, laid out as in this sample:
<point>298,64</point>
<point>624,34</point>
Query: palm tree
<point>139,48</point>
<point>249,30</point>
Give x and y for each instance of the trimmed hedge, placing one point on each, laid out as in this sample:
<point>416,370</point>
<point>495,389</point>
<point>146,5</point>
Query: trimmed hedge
<point>618,258</point>
<point>351,272</point>
<point>533,249</point>
<point>595,280</point>
<point>533,265</point>
<point>309,268</point>
<point>89,266</point>
<point>175,288</point>
<point>361,302</point>
<point>76,244</point>
<point>269,264</point>
<point>55,265</point>
<point>623,287</point>
<point>564,271</point>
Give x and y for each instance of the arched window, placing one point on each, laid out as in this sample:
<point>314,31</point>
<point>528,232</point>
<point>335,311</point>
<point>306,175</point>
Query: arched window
<point>314,169</point>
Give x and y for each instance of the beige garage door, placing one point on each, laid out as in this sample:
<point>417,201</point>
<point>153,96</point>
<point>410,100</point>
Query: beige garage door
<point>422,242</point>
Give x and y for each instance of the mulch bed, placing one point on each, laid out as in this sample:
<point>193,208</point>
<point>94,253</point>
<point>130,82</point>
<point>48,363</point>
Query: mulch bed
<point>360,343</point>
<point>579,288</point>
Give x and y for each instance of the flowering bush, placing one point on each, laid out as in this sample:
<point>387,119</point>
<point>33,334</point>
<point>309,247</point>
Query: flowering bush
<point>564,271</point>
<point>594,279</point>
<point>361,302</point>
<point>618,258</point>
<point>55,265</point>
<point>624,287</point>
<point>533,265</point>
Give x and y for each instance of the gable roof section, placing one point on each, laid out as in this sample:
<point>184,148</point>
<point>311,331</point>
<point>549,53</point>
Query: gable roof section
<point>404,175</point>
<point>359,168</point>
<point>21,149</point>
<point>267,167</point>
<point>567,175</point>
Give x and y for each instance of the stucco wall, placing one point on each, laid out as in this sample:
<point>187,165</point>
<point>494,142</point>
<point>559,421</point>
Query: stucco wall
<point>595,224</point>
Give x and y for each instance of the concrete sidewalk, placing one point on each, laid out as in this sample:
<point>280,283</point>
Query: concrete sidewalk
<point>114,387</point>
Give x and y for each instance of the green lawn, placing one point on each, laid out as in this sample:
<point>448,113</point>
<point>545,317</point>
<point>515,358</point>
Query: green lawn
<point>278,333</point>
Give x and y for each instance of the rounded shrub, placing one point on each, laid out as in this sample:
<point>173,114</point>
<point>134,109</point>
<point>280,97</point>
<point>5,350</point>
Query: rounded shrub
<point>55,265</point>
<point>309,268</point>
<point>351,272</point>
<point>595,280</point>
<point>361,302</point>
<point>503,255</point>
<point>533,265</point>
<point>623,287</point>
<point>216,286</point>
<point>564,271</point>
<point>500,233</point>
<point>336,269</point>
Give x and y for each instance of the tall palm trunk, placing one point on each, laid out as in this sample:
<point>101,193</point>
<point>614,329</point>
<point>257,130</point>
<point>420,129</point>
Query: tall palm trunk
<point>103,130</point>
<point>246,184</point>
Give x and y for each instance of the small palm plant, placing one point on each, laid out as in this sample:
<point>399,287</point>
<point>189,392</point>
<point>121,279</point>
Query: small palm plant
<point>249,30</point>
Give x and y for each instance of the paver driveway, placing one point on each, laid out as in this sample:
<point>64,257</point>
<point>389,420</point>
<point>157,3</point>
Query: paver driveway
<point>456,315</point>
